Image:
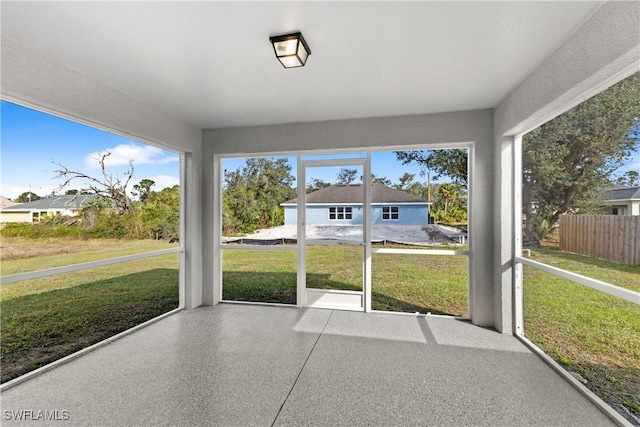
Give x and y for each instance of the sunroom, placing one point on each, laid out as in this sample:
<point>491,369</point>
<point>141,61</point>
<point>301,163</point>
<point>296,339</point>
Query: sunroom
<point>200,78</point>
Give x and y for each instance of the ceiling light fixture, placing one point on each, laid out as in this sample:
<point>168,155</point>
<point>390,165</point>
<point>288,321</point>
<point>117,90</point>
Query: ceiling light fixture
<point>291,49</point>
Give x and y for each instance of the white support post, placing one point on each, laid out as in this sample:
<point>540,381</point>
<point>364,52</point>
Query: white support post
<point>217,230</point>
<point>301,234</point>
<point>366,224</point>
<point>182,279</point>
<point>504,243</point>
<point>518,317</point>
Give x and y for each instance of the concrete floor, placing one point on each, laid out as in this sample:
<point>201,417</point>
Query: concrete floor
<point>255,365</point>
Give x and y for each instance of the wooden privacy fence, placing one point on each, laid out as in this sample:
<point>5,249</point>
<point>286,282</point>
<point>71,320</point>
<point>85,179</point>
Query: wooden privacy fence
<point>612,237</point>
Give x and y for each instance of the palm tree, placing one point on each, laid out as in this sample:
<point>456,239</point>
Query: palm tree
<point>448,193</point>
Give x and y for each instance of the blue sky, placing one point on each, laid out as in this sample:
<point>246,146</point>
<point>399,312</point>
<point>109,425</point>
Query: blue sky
<point>32,141</point>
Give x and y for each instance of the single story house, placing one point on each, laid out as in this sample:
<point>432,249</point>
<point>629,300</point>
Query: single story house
<point>42,208</point>
<point>341,204</point>
<point>622,200</point>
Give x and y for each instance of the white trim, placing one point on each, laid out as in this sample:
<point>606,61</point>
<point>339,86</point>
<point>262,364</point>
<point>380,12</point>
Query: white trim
<point>602,405</point>
<point>301,197</point>
<point>346,151</point>
<point>390,213</point>
<point>276,304</point>
<point>367,221</point>
<point>418,251</point>
<point>84,266</point>
<point>301,223</point>
<point>336,212</point>
<point>365,163</point>
<point>84,351</point>
<point>217,230</point>
<point>471,196</point>
<point>598,285</point>
<point>516,232</point>
<point>334,291</point>
<point>182,273</point>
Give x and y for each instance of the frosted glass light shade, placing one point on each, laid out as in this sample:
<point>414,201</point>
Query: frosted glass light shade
<point>291,50</point>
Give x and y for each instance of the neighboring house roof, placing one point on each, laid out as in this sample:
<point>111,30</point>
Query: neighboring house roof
<point>5,203</point>
<point>621,193</point>
<point>352,193</point>
<point>54,203</point>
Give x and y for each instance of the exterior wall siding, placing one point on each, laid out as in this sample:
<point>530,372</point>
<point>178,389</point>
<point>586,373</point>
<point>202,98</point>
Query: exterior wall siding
<point>15,217</point>
<point>319,215</point>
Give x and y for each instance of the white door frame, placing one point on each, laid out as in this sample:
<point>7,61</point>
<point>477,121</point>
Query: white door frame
<point>324,298</point>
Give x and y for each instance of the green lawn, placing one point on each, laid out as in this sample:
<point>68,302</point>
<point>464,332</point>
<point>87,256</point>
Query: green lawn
<point>588,332</point>
<point>43,320</point>
<point>407,283</point>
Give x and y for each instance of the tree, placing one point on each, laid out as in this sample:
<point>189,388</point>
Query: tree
<point>316,184</point>
<point>449,194</point>
<point>253,193</point>
<point>451,163</point>
<point>27,197</point>
<point>71,192</point>
<point>629,179</point>
<point>160,214</point>
<point>143,189</point>
<point>108,187</point>
<point>347,176</point>
<point>406,183</point>
<point>569,159</point>
<point>380,180</point>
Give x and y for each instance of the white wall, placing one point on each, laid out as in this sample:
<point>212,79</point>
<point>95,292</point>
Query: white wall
<point>602,51</point>
<point>468,127</point>
<point>42,83</point>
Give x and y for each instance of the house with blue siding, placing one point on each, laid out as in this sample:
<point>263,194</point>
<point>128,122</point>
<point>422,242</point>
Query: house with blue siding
<point>341,204</point>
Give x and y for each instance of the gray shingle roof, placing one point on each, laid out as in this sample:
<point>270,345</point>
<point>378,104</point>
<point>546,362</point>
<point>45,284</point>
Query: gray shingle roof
<point>352,193</point>
<point>57,202</point>
<point>624,193</point>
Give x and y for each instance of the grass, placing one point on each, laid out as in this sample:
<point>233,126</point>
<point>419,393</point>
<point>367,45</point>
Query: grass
<point>588,332</point>
<point>20,255</point>
<point>43,320</point>
<point>406,283</point>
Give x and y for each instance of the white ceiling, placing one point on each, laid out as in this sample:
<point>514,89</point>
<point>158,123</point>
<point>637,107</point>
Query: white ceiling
<point>211,63</point>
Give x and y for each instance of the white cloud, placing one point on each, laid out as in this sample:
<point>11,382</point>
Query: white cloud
<point>124,153</point>
<point>164,181</point>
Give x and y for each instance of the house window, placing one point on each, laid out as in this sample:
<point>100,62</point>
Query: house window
<point>390,213</point>
<point>340,212</point>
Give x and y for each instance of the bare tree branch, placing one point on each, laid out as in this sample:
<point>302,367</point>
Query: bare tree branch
<point>109,187</point>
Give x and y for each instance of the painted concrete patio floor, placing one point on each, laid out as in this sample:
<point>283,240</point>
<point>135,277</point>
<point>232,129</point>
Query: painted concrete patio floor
<point>257,365</point>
